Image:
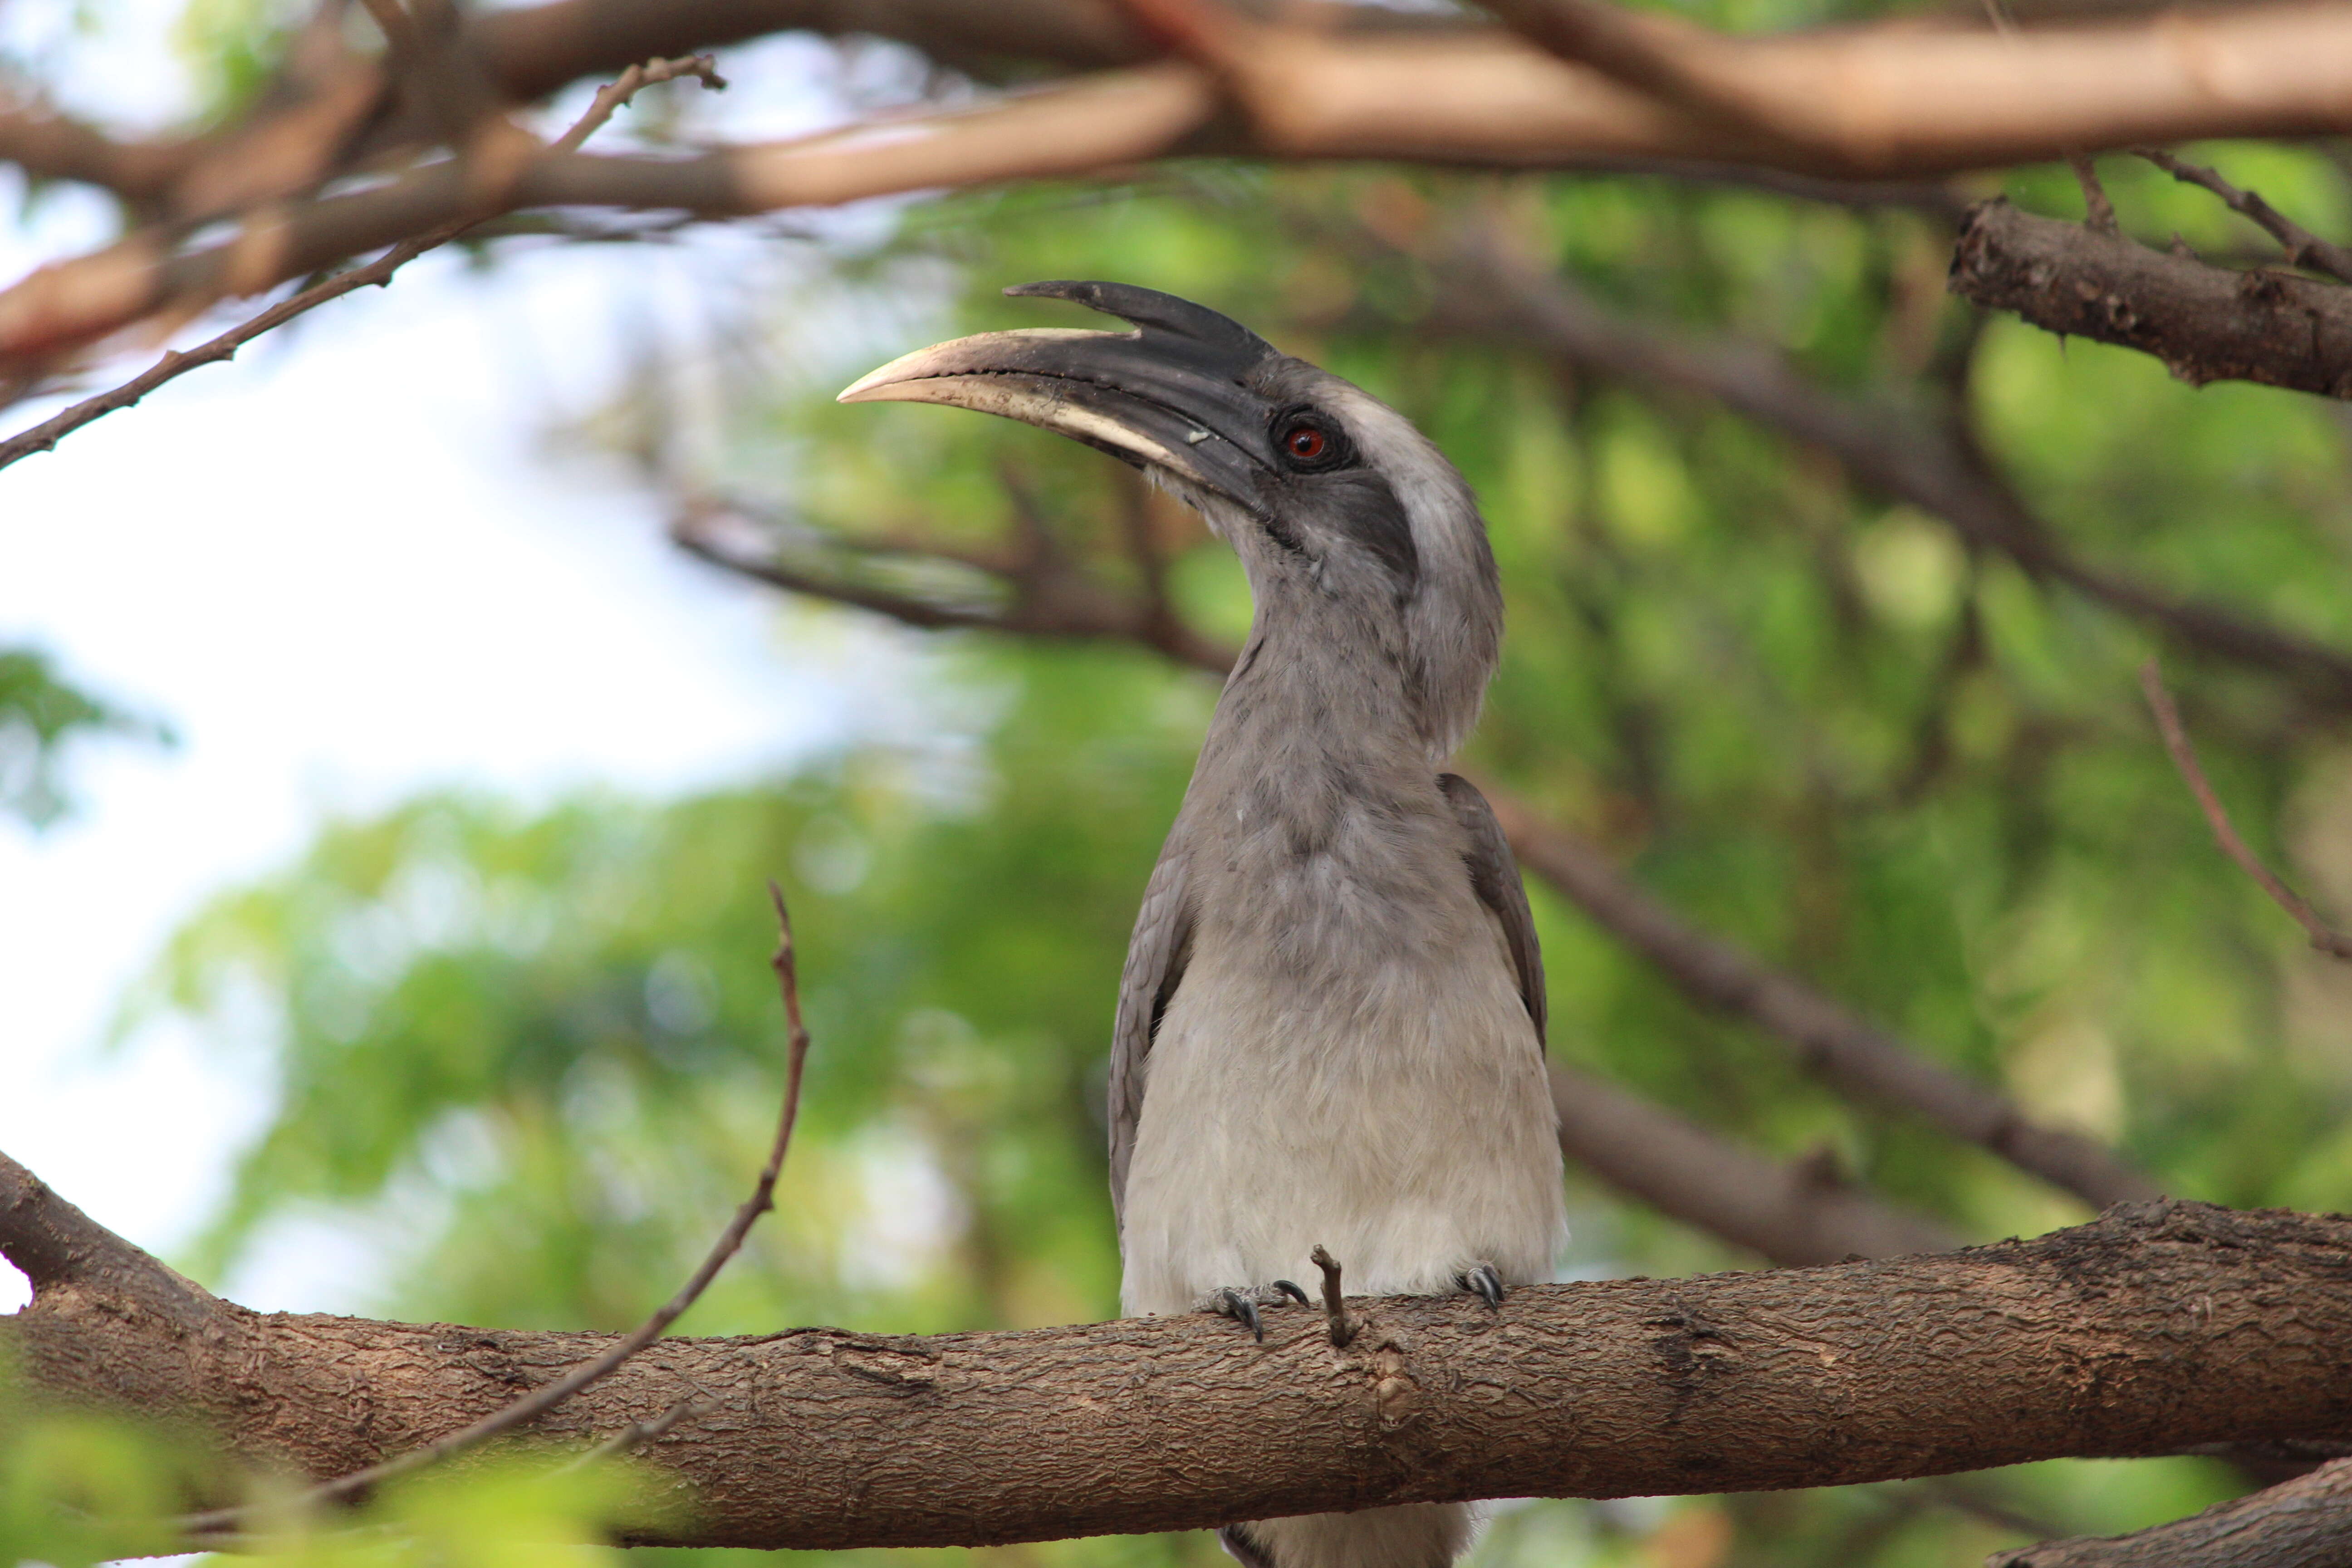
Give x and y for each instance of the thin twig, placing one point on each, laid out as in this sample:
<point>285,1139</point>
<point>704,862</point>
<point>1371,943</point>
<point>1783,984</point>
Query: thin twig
<point>546,1398</point>
<point>1335,1308</point>
<point>2184,757</point>
<point>2304,248</point>
<point>44,436</point>
<point>2098,212</point>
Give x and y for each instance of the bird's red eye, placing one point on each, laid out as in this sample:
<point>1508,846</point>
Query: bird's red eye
<point>1306,443</point>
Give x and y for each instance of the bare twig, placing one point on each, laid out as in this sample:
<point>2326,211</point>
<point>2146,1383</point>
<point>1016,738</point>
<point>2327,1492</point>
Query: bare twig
<point>546,1398</point>
<point>2184,757</point>
<point>44,436</point>
<point>612,95</point>
<point>2304,248</point>
<point>1341,1326</point>
<point>2098,210</point>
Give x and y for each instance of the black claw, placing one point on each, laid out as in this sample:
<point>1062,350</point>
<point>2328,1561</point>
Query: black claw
<point>1236,1305</point>
<point>1293,1291</point>
<point>1483,1283</point>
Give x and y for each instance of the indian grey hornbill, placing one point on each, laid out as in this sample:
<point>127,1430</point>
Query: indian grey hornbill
<point>1331,1028</point>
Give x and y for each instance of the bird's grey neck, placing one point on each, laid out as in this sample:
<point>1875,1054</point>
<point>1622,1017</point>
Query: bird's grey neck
<point>1323,687</point>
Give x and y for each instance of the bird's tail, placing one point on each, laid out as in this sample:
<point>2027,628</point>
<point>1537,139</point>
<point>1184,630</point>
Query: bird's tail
<point>1417,1535</point>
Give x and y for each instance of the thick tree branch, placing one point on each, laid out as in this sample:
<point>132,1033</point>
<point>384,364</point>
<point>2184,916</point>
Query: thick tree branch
<point>2158,1327</point>
<point>2304,1523</point>
<point>63,1251</point>
<point>2205,323</point>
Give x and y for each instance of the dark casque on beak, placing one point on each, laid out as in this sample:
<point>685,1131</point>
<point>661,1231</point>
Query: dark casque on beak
<point>1169,392</point>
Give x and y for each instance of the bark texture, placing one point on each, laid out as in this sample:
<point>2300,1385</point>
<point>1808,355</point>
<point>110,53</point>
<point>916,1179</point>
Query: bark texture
<point>2157,1328</point>
<point>2304,1523</point>
<point>2205,323</point>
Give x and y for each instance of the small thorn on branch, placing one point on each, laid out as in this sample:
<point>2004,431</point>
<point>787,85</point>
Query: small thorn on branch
<point>1343,1328</point>
<point>2323,937</point>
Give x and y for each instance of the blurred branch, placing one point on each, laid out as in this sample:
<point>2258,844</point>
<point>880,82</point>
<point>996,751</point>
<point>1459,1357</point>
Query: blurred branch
<point>2205,323</point>
<point>1929,462</point>
<point>44,436</point>
<point>1884,102</point>
<point>1047,594</point>
<point>1827,1039</point>
<point>51,146</point>
<point>2304,1523</point>
<point>1859,1058</point>
<point>539,1401</point>
<point>1797,1214</point>
<point>2184,757</point>
<point>2075,1343</point>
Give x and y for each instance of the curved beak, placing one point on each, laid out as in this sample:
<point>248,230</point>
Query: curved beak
<point>1148,397</point>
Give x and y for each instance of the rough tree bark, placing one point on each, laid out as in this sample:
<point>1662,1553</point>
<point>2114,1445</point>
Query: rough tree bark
<point>2158,1327</point>
<point>2205,323</point>
<point>2303,1524</point>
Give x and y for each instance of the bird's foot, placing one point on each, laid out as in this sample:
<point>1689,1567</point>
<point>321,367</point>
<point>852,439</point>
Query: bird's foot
<point>1482,1281</point>
<point>1241,1302</point>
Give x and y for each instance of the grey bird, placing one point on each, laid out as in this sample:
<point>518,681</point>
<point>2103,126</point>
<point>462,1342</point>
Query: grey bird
<point>1330,1026</point>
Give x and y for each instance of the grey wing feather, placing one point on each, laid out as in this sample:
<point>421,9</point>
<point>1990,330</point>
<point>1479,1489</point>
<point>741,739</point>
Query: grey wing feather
<point>1156,956</point>
<point>1495,876</point>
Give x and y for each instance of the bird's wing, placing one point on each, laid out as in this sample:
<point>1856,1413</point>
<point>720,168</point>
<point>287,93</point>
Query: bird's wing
<point>1156,956</point>
<point>1495,876</point>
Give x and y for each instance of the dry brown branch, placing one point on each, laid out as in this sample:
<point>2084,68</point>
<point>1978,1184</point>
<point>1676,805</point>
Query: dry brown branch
<point>1867,101</point>
<point>1882,442</point>
<point>532,1406</point>
<point>2159,1327</point>
<point>51,146</point>
<point>2205,323</point>
<point>1904,99</point>
<point>1682,66</point>
<point>2304,1523</point>
<point>44,436</point>
<point>2184,757</point>
<point>2304,248</point>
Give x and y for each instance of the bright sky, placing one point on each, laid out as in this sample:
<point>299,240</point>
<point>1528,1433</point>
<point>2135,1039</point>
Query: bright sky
<point>345,569</point>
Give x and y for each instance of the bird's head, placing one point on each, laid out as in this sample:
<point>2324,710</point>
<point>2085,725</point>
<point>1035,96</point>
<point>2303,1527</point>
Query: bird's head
<point>1332,499</point>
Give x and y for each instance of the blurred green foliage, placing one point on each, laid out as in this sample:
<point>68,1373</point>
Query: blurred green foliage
<point>534,1054</point>
<point>40,714</point>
